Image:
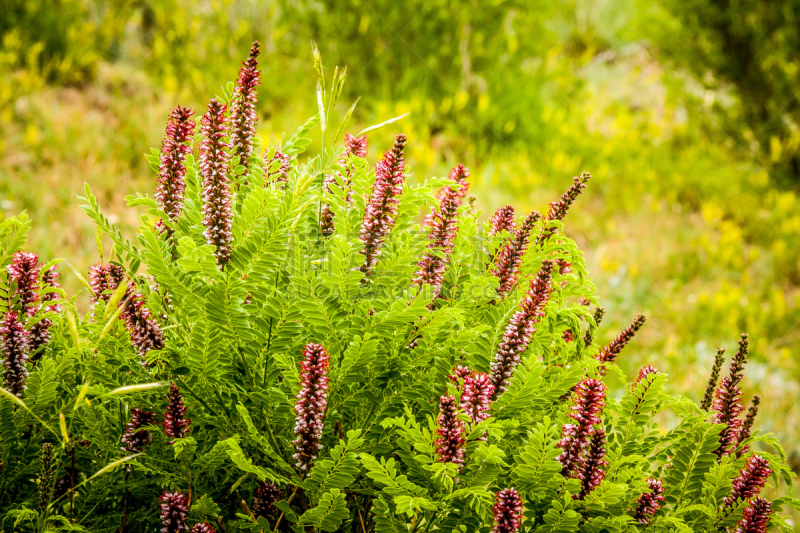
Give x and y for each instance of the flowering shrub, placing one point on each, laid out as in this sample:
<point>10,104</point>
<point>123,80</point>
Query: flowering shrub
<point>310,353</point>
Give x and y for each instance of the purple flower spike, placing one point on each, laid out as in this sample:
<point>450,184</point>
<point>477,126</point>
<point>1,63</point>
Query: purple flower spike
<point>727,404</point>
<point>311,403</point>
<point>749,482</point>
<point>503,219</point>
<point>507,511</point>
<point>650,502</point>
<point>590,472</point>
<point>381,211</point>
<point>509,258</point>
<point>755,517</point>
<point>588,400</point>
<point>136,439</point>
<point>450,444</point>
<point>243,107</point>
<point>104,280</point>
<point>15,349</point>
<point>175,423</point>
<point>747,426</point>
<point>24,270</point>
<point>558,210</point>
<point>214,168</point>
<point>267,493</point>
<point>521,327</point>
<point>174,512</point>
<point>443,224</point>
<point>143,328</point>
<point>610,352</point>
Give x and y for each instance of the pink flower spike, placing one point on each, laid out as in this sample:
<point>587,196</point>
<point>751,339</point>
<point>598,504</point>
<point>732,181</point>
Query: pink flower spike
<point>243,107</point>
<point>214,168</point>
<point>749,482</point>
<point>509,258</point>
<point>520,329</point>
<point>175,424</point>
<point>507,511</point>
<point>590,473</point>
<point>174,512</point>
<point>15,350</point>
<point>610,352</point>
<point>649,502</point>
<point>381,210</point>
<point>476,400</point>
<point>171,182</point>
<point>24,270</point>
<point>755,517</point>
<point>503,220</point>
<point>311,403</point>
<point>450,444</point>
<point>588,400</point>
<point>727,404</point>
<point>142,326</point>
<point>443,225</point>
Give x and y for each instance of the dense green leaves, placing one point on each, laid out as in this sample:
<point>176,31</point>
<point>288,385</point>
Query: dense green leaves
<point>233,338</point>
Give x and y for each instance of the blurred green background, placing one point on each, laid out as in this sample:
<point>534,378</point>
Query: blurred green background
<point>685,112</point>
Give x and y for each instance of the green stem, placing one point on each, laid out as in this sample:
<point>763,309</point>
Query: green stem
<point>430,522</point>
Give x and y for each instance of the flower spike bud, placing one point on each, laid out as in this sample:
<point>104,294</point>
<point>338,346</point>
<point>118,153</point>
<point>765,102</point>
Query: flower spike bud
<point>24,270</point>
<point>460,373</point>
<point>749,482</point>
<point>476,400</point>
<point>509,258</point>
<point>142,326</point>
<point>747,426</point>
<point>558,210</point>
<point>171,181</point>
<point>503,220</point>
<point>755,517</point>
<point>203,527</point>
<point>356,146</point>
<point>104,280</point>
<point>443,224</point>
<point>588,400</point>
<point>708,397</point>
<point>381,210</point>
<point>136,439</point>
<point>507,511</point>
<point>727,404</point>
<point>521,327</point>
<point>650,502</point>
<point>243,107</point>
<point>175,423</point>
<point>353,146</point>
<point>174,512</point>
<point>40,332</point>
<point>610,352</point>
<point>588,339</point>
<point>214,168</point>
<point>451,442</point>
<point>310,405</point>
<point>590,473</point>
<point>267,493</point>
<point>15,349</point>
<point>644,372</point>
